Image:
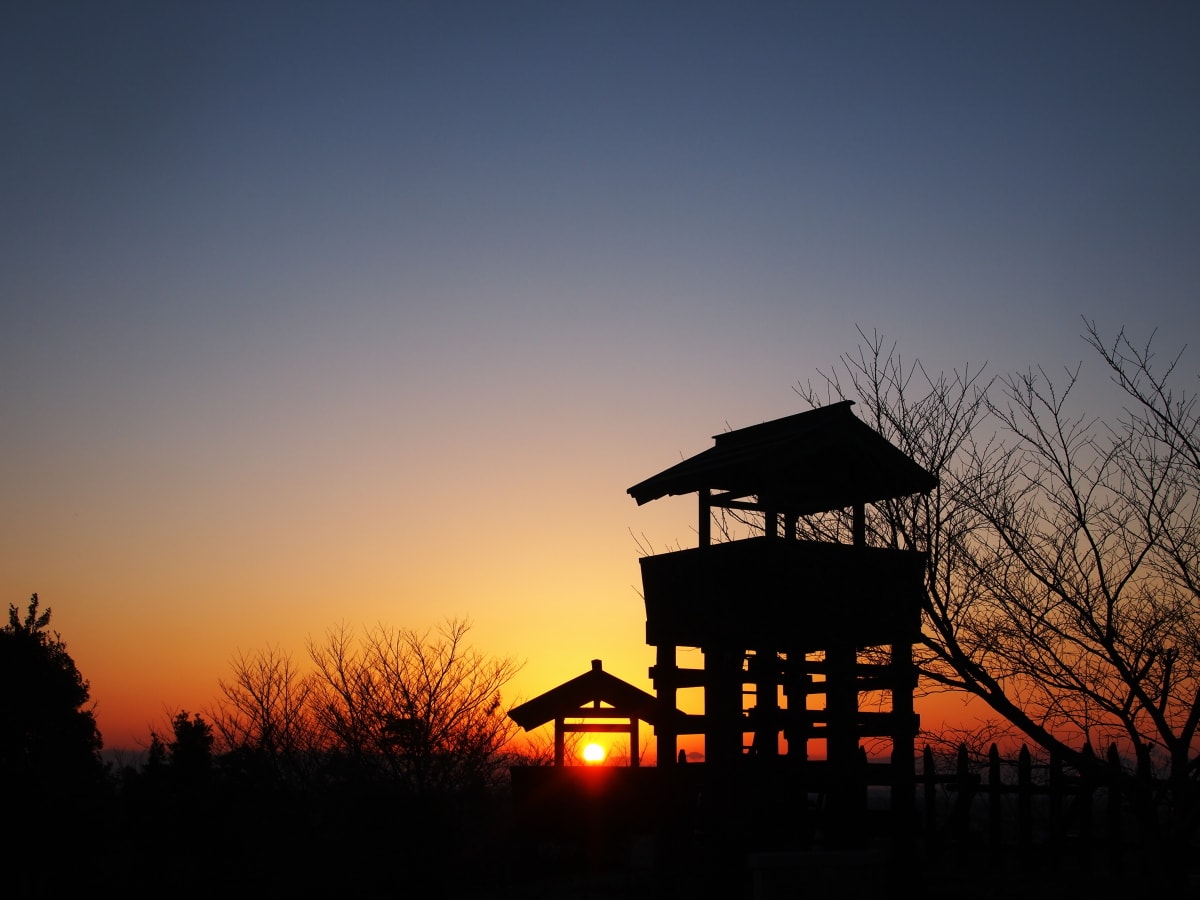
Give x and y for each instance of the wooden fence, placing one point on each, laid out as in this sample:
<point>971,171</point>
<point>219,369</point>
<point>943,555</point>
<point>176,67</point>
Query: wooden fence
<point>1001,828</point>
<point>1091,815</point>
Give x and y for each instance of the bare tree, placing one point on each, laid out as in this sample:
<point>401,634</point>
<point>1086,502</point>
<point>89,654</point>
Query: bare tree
<point>1062,576</point>
<point>936,420</point>
<point>422,708</point>
<point>263,713</point>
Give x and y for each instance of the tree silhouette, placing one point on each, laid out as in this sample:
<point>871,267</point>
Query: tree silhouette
<point>421,711</point>
<point>262,720</point>
<point>49,757</point>
<point>188,753</point>
<point>48,736</point>
<point>1063,584</point>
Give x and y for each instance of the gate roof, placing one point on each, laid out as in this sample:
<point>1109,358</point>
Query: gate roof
<point>582,697</point>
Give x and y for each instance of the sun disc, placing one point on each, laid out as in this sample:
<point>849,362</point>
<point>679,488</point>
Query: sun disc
<point>593,753</point>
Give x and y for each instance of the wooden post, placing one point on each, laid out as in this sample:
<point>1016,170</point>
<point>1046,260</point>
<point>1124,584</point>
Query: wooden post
<point>666,687</point>
<point>1025,803</point>
<point>930,800</point>
<point>995,823</point>
<point>791,523</point>
<point>1144,797</point>
<point>764,673</point>
<point>1055,827</point>
<point>796,682</point>
<point>560,742</point>
<point>1083,804</point>
<point>904,749</point>
<point>860,525</point>
<point>841,728</point>
<point>722,705</point>
<point>1115,839</point>
<point>841,740</point>
<point>960,814</point>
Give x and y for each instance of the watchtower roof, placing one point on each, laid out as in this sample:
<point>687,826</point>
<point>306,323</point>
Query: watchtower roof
<point>815,461</point>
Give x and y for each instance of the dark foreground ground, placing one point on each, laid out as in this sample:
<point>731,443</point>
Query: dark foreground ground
<point>375,846</point>
<point>966,879</point>
<point>175,866</point>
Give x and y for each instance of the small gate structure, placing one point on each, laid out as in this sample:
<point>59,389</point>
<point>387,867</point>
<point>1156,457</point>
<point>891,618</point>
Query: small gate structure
<point>588,704</point>
<point>589,813</point>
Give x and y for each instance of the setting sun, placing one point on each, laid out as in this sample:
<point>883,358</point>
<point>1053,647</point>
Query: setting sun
<point>593,753</point>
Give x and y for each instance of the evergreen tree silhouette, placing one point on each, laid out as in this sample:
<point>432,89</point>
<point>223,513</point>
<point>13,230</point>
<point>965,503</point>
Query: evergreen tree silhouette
<point>50,767</point>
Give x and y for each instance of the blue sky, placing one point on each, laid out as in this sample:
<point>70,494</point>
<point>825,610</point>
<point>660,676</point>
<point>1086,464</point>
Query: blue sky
<point>373,311</point>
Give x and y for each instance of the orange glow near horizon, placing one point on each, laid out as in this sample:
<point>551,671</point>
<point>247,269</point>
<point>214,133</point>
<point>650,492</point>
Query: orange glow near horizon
<point>139,681</point>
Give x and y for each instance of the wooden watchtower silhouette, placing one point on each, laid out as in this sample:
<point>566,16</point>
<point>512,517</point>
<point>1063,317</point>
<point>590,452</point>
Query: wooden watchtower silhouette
<point>795,635</point>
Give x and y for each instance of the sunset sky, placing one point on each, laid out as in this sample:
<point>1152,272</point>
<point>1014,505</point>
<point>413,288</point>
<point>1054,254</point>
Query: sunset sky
<point>372,312</point>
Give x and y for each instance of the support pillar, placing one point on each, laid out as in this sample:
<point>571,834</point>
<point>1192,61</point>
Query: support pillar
<point>666,688</point>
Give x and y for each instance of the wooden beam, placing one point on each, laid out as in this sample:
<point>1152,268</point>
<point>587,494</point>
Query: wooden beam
<point>686,723</point>
<point>606,712</point>
<point>734,501</point>
<point>861,669</point>
<point>866,724</point>
<point>680,678</point>
<point>597,727</point>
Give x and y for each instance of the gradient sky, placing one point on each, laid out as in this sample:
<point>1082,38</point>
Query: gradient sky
<point>371,312</point>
